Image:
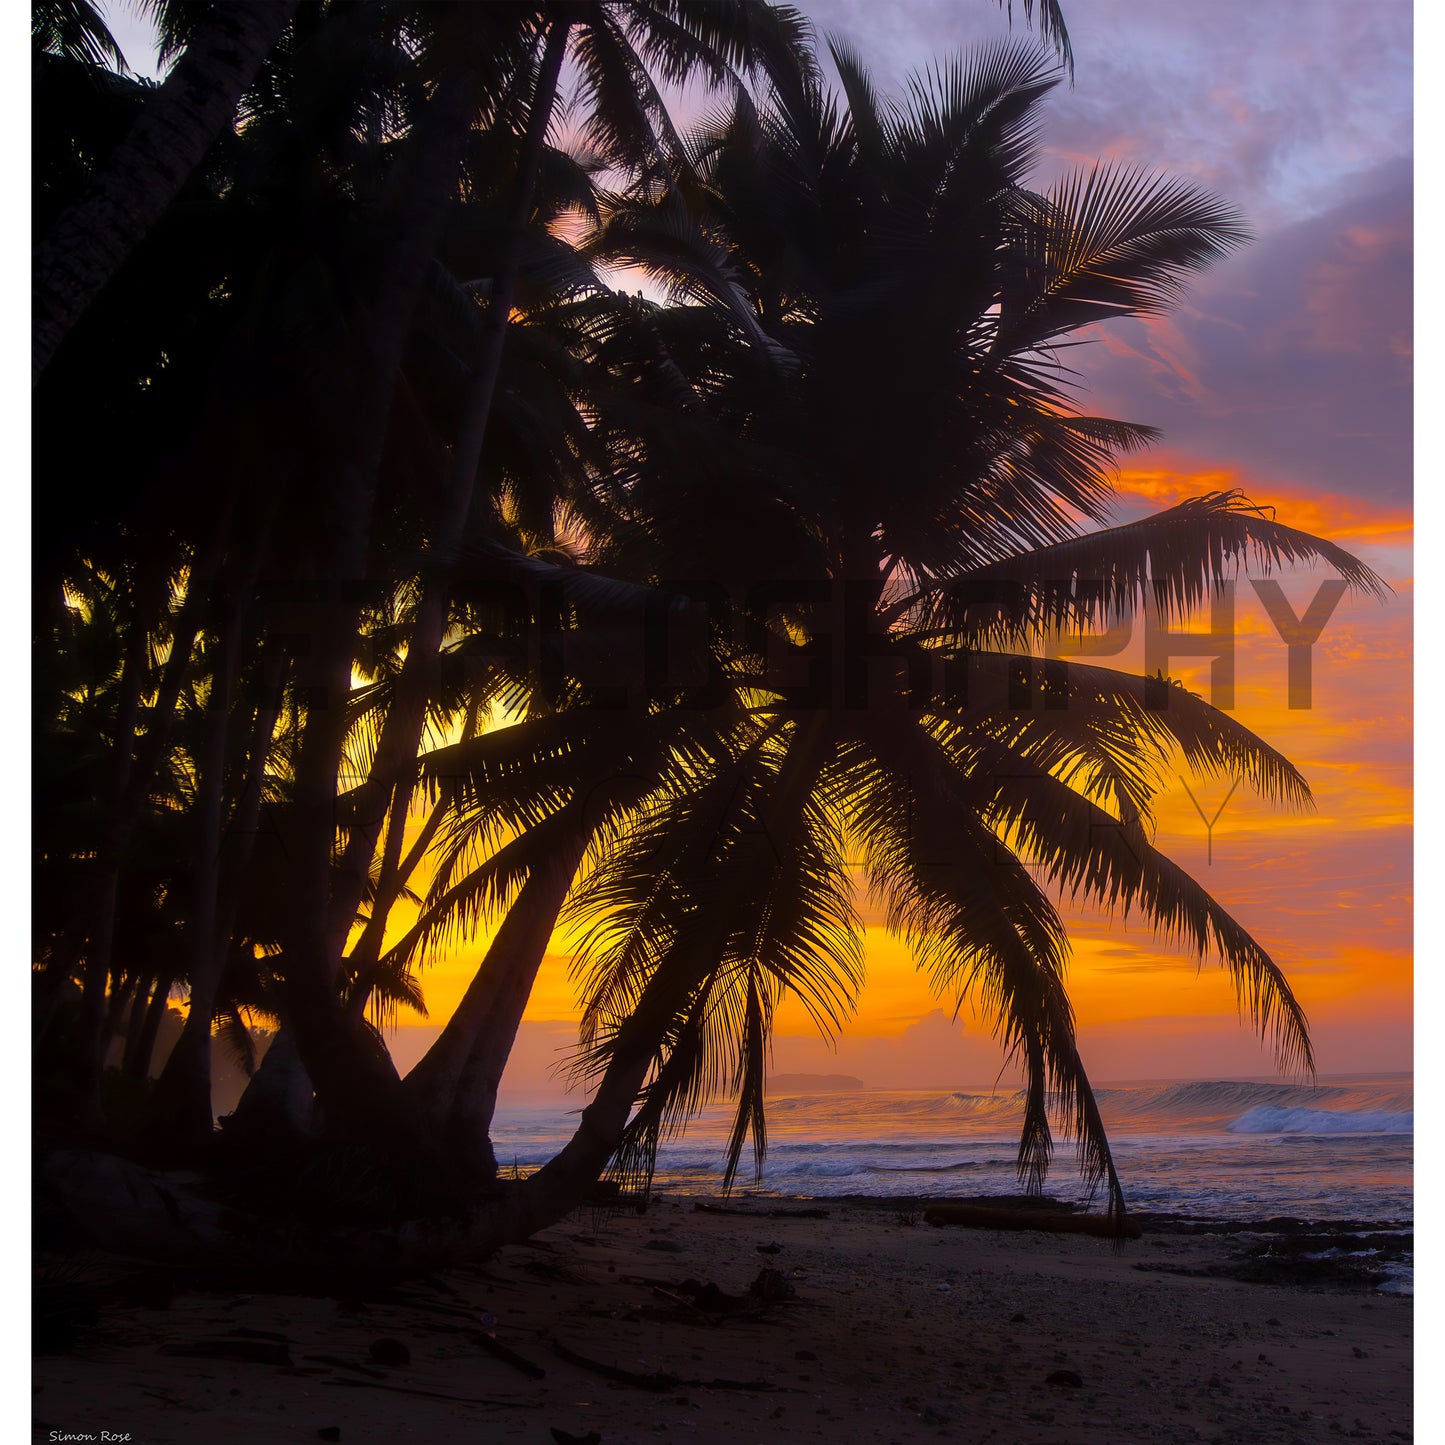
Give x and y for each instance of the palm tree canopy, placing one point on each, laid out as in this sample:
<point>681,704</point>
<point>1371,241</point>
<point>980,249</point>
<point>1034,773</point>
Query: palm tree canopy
<point>862,363</point>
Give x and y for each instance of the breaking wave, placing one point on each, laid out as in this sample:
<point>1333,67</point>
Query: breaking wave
<point>1266,1120</point>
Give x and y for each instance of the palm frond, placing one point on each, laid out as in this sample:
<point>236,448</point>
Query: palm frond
<point>1051,26</point>
<point>1108,242</point>
<point>1172,561</point>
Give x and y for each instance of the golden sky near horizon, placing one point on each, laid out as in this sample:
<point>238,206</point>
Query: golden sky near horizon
<point>1285,371</point>
<point>1326,891</point>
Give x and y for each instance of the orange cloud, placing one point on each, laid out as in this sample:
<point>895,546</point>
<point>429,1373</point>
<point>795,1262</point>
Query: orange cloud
<point>1331,515</point>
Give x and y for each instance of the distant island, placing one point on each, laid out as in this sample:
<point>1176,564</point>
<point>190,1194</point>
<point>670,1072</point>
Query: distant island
<point>813,1083</point>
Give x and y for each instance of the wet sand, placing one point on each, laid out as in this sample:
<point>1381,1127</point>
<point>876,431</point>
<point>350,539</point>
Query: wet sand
<point>868,1325</point>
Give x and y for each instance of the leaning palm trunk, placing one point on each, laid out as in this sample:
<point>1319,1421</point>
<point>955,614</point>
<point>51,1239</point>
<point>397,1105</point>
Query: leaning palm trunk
<point>279,1103</point>
<point>94,236</point>
<point>343,1069</point>
<point>140,1045</point>
<point>405,720</point>
<point>124,1207</point>
<point>455,1085</point>
<point>396,872</point>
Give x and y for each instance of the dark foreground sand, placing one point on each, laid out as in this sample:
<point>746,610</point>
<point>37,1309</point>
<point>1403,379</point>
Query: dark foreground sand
<point>895,1331</point>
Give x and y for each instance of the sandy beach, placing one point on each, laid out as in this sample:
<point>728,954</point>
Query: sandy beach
<point>681,1324</point>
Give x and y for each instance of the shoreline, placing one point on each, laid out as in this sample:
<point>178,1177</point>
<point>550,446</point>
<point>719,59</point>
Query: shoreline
<point>752,1321</point>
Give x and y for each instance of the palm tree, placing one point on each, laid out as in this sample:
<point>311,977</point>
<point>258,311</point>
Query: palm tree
<point>88,243</point>
<point>616,44</point>
<point>904,451</point>
<point>394,389</point>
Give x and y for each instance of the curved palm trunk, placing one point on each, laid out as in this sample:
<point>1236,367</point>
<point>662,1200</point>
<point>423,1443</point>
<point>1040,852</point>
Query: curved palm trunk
<point>395,873</point>
<point>455,1084</point>
<point>139,1065</point>
<point>120,997</point>
<point>322,1030</point>
<point>127,197</point>
<point>343,1069</point>
<point>149,1001</point>
<point>278,1104</point>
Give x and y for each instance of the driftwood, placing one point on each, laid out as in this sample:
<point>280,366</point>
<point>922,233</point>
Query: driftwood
<point>437,1394</point>
<point>659,1383</point>
<point>976,1216</point>
<point>701,1208</point>
<point>337,1363</point>
<point>247,1351</point>
<point>496,1348</point>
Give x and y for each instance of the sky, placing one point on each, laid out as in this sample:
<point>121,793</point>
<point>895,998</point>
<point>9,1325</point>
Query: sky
<point>1286,372</point>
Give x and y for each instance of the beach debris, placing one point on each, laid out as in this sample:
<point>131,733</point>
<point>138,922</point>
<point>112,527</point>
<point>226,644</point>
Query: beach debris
<point>337,1363</point>
<point>329,1432</point>
<point>804,1355</point>
<point>768,1248</point>
<point>248,1349</point>
<point>554,1273</point>
<point>562,1437</point>
<point>437,1394</point>
<point>389,1352</point>
<point>700,1208</point>
<point>664,1246</point>
<point>659,1382</point>
<point>1066,1377</point>
<point>974,1216</point>
<point>498,1350</point>
<point>1265,1267</point>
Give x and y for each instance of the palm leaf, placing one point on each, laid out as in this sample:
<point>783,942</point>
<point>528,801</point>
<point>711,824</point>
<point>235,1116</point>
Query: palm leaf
<point>1172,560</point>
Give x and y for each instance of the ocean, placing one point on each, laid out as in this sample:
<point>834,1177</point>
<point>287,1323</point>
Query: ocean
<point>1236,1150</point>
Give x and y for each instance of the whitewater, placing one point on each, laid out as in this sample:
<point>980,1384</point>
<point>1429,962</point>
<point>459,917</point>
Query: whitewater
<point>1341,1149</point>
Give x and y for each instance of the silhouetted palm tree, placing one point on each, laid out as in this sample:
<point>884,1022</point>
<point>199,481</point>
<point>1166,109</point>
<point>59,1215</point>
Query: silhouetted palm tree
<point>173,132</point>
<point>365,386</point>
<point>901,449</point>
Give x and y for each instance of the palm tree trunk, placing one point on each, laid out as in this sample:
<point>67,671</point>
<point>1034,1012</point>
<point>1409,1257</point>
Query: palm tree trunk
<point>139,1013</point>
<point>395,871</point>
<point>278,1105</point>
<point>246,815</point>
<point>455,1084</point>
<point>120,995</point>
<point>140,1065</point>
<point>92,238</point>
<point>339,1067</point>
<point>401,732</point>
<point>49,986</point>
<point>564,1182</point>
<point>183,1092</point>
<point>100,945</point>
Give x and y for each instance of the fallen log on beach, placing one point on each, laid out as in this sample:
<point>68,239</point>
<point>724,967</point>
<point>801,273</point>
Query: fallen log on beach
<point>811,1213</point>
<point>974,1216</point>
